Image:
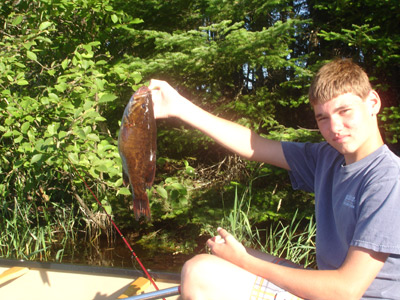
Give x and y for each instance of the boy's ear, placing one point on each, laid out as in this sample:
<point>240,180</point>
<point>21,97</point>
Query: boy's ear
<point>373,102</point>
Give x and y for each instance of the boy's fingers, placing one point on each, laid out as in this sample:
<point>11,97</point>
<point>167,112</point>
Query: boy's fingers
<point>224,234</point>
<point>154,84</point>
<point>219,240</point>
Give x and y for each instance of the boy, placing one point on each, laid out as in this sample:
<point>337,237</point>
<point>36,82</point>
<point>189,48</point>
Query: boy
<point>354,176</point>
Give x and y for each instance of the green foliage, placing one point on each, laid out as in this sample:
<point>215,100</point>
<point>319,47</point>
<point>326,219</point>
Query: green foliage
<point>391,117</point>
<point>56,85</point>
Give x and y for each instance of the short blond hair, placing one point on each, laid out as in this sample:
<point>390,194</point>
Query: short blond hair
<point>339,77</point>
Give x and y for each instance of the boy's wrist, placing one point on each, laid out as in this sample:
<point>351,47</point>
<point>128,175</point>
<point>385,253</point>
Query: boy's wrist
<point>183,108</point>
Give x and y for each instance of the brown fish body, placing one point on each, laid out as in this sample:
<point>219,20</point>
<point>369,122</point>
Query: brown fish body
<point>137,143</point>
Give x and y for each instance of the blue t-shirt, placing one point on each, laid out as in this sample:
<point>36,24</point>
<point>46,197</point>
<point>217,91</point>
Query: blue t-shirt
<point>355,205</point>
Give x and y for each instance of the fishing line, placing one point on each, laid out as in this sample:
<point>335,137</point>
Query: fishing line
<point>117,229</point>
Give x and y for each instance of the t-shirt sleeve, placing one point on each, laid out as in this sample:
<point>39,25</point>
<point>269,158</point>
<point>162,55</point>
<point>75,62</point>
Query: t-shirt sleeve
<point>302,159</point>
<point>378,223</point>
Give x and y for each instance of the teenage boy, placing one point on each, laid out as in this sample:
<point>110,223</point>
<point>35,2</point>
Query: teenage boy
<point>356,181</point>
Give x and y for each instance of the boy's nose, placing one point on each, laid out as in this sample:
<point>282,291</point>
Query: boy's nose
<point>336,125</point>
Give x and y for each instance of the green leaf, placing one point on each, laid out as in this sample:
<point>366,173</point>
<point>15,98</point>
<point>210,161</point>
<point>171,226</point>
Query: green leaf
<point>118,182</point>
<point>179,187</point>
<point>93,137</point>
<point>136,21</point>
<point>137,77</point>
<point>45,25</point>
<point>31,55</point>
<point>22,82</point>
<point>17,20</point>
<point>8,134</point>
<point>183,201</point>
<point>65,63</point>
<point>124,191</point>
<point>18,139</point>
<point>107,98</point>
<point>52,128</point>
<point>73,158</point>
<point>80,133</point>
<point>114,18</point>
<point>102,168</point>
<point>36,158</point>
<point>108,209</point>
<point>18,163</point>
<point>62,134</point>
<point>162,192</point>
<point>25,127</point>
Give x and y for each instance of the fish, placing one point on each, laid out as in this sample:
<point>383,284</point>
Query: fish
<point>137,146</point>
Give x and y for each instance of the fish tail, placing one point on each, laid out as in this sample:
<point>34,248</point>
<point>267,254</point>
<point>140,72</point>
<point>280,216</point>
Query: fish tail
<point>141,207</point>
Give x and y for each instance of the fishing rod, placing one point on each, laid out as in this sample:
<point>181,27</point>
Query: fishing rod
<point>173,291</point>
<point>117,229</point>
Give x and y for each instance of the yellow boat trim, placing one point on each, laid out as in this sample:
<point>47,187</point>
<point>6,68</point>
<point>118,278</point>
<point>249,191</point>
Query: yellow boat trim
<point>12,273</point>
<point>137,287</point>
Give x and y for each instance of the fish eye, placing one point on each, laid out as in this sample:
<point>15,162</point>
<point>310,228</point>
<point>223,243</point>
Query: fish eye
<point>143,105</point>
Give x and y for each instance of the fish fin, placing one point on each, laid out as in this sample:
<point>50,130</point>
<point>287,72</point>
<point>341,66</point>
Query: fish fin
<point>125,178</point>
<point>150,177</point>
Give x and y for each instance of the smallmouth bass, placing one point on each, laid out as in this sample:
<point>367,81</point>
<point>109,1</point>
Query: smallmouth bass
<point>137,144</point>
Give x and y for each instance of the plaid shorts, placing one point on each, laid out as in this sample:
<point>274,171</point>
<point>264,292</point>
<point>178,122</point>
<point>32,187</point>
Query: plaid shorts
<point>265,290</point>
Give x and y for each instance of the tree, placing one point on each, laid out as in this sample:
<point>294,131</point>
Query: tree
<point>371,37</point>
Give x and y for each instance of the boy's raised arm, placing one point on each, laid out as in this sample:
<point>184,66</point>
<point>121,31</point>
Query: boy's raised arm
<point>238,139</point>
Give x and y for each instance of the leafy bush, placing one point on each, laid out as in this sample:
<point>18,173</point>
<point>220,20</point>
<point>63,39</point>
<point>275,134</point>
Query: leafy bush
<point>56,85</point>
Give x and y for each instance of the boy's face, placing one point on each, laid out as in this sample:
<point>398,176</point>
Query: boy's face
<point>349,124</point>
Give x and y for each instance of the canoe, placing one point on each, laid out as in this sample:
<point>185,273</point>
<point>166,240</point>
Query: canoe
<point>21,280</point>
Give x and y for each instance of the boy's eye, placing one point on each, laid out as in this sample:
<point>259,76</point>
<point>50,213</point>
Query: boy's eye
<point>345,111</point>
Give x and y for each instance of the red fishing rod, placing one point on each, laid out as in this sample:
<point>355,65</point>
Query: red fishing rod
<point>117,229</point>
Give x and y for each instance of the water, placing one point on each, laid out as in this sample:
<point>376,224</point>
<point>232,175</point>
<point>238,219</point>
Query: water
<point>117,254</point>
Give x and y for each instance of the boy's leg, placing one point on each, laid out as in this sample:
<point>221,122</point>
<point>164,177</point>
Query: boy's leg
<point>210,277</point>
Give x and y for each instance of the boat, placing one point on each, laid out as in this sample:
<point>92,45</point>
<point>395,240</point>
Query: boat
<point>20,280</point>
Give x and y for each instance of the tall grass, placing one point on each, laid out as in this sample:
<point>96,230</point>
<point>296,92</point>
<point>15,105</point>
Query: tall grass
<point>237,221</point>
<point>293,239</point>
<point>29,232</point>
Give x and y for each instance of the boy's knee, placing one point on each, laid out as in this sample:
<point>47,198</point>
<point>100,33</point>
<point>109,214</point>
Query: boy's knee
<point>197,266</point>
<point>195,274</point>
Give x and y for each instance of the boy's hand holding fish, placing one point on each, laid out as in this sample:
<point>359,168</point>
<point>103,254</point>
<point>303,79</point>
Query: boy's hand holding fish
<point>167,101</point>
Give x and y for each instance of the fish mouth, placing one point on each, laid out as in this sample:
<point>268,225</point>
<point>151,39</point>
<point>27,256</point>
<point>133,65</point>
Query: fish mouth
<point>137,98</point>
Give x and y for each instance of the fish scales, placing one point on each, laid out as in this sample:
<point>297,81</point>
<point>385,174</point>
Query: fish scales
<point>137,143</point>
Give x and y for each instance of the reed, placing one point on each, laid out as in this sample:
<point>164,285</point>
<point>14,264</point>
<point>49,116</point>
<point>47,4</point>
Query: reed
<point>32,233</point>
<point>294,241</point>
<point>237,221</point>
